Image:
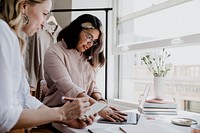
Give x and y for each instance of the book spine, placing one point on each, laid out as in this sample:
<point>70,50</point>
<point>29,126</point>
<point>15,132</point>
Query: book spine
<point>157,110</point>
<point>171,106</point>
<point>161,113</point>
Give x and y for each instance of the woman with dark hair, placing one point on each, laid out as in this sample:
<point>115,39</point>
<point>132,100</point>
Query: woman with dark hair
<point>71,36</point>
<point>71,65</point>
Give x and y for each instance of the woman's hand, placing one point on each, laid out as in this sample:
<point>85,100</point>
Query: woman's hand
<point>112,114</point>
<point>80,123</point>
<point>75,109</point>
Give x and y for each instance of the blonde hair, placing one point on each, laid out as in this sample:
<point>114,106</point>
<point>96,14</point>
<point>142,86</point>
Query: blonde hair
<point>11,12</point>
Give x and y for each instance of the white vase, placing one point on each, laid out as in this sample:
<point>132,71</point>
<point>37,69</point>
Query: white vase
<point>159,87</point>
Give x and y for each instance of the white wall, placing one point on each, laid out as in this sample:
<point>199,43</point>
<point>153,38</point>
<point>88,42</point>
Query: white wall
<point>63,18</point>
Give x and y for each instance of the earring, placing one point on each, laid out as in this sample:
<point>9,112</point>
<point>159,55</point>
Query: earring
<point>25,19</point>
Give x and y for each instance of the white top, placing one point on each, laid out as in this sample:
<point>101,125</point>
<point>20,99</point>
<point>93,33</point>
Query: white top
<point>14,88</point>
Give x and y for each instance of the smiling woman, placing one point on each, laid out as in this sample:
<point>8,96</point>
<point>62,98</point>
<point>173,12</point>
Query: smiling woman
<point>71,65</point>
<point>89,38</point>
<point>86,39</point>
<point>18,109</point>
<point>34,12</point>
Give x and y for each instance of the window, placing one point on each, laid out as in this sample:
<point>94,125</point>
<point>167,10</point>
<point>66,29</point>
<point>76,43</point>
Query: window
<point>168,23</point>
<point>148,26</point>
<point>192,106</point>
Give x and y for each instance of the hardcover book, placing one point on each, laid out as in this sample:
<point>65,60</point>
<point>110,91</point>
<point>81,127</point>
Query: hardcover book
<point>160,103</point>
<point>161,113</point>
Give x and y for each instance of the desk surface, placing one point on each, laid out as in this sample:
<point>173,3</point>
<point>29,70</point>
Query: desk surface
<point>147,123</point>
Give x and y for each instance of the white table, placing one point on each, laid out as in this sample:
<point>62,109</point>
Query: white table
<point>146,124</point>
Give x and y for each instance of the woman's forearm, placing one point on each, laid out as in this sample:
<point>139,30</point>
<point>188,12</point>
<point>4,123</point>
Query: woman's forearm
<point>91,100</point>
<point>96,96</point>
<point>35,117</point>
<point>69,111</point>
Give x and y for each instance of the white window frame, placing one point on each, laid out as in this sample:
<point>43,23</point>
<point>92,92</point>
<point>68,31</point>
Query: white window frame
<point>168,42</point>
<point>118,49</point>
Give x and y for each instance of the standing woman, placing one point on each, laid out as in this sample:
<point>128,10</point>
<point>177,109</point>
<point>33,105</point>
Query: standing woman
<point>18,109</point>
<point>71,65</point>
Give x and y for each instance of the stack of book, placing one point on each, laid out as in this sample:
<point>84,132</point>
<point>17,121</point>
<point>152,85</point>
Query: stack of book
<point>160,107</point>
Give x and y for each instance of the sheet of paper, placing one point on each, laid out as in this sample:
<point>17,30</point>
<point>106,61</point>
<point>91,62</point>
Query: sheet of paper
<point>95,108</point>
<point>152,127</point>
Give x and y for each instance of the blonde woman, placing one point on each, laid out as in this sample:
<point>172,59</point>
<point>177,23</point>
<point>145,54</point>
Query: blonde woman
<point>18,109</point>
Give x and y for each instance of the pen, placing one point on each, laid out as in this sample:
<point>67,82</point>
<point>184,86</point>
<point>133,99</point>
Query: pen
<point>121,129</point>
<point>90,131</point>
<point>65,99</point>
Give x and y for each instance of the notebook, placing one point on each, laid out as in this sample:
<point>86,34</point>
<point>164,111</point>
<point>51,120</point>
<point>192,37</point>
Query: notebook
<point>132,117</point>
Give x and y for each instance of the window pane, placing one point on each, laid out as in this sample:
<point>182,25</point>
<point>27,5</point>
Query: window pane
<point>173,22</point>
<point>182,81</point>
<point>130,6</point>
<point>192,106</point>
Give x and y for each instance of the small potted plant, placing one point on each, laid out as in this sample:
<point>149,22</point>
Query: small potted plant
<point>158,67</point>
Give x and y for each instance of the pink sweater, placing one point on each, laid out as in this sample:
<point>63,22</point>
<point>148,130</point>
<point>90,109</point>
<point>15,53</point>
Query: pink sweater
<point>67,74</point>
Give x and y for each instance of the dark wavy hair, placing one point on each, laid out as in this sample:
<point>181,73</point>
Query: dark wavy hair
<point>71,36</point>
